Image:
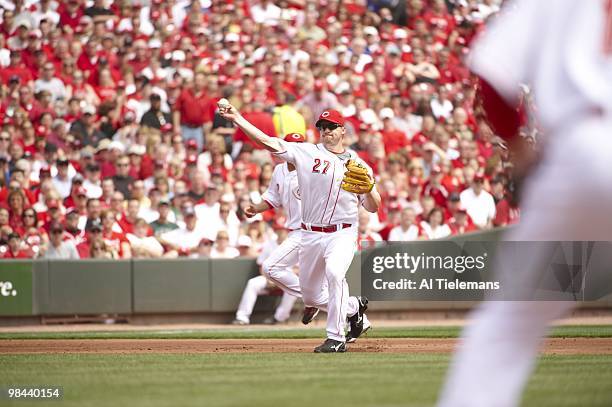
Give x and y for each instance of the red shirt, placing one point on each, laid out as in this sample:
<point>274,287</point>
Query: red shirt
<point>262,121</point>
<point>505,214</point>
<point>115,240</point>
<point>458,230</point>
<point>83,249</point>
<point>194,109</point>
<point>438,193</point>
<point>66,18</point>
<point>394,140</point>
<point>125,225</point>
<point>23,73</point>
<point>21,254</point>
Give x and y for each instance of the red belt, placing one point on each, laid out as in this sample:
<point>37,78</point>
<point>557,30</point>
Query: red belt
<point>327,229</point>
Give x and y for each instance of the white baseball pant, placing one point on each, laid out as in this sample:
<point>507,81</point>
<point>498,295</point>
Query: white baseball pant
<point>568,198</point>
<point>325,259</point>
<point>277,267</point>
<point>258,286</point>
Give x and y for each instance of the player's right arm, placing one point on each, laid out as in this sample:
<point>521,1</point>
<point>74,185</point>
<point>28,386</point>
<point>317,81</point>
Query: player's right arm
<point>229,112</point>
<point>271,197</point>
<point>254,209</point>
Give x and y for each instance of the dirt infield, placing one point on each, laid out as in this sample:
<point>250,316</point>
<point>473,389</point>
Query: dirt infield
<point>561,346</point>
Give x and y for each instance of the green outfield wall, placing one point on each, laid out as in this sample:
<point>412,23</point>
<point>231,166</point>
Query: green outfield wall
<point>139,287</point>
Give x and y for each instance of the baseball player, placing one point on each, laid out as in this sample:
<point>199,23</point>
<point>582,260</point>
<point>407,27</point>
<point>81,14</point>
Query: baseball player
<point>261,285</point>
<point>330,198</point>
<point>568,195</point>
<point>284,192</point>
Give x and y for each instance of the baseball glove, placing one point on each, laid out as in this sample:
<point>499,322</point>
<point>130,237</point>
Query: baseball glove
<point>356,179</point>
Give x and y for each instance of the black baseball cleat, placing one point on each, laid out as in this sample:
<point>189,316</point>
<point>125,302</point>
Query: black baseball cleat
<point>309,314</point>
<point>366,327</point>
<point>356,321</point>
<point>270,321</point>
<point>331,346</point>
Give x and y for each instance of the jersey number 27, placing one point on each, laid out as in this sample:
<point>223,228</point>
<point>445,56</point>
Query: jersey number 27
<point>318,164</point>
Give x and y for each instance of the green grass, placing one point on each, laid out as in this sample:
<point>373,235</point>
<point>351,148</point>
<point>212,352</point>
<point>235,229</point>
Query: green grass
<point>578,331</point>
<point>284,379</point>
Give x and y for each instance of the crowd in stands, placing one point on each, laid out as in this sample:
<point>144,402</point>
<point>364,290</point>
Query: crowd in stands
<point>111,145</point>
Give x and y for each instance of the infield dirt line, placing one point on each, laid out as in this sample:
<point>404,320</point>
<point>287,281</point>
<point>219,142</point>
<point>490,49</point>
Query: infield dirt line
<point>562,346</point>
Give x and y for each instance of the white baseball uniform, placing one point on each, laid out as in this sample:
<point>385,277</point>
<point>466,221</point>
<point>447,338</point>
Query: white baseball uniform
<point>259,286</point>
<point>284,191</point>
<point>277,261</point>
<point>558,49</point>
<point>325,256</point>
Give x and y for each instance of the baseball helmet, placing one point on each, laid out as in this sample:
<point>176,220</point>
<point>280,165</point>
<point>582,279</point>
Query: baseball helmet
<point>295,138</point>
<point>332,116</point>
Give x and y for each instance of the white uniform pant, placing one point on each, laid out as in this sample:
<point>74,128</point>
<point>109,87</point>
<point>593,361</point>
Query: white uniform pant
<point>324,260</point>
<point>568,198</point>
<point>258,286</point>
<point>278,266</point>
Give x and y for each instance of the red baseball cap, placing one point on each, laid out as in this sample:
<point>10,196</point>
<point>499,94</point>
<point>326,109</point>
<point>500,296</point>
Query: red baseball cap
<point>331,115</point>
<point>192,143</point>
<point>295,138</point>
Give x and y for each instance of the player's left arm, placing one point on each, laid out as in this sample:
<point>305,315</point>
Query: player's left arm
<point>371,200</point>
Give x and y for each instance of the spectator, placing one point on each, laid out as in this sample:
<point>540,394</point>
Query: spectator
<point>407,230</point>
<point>318,99</point>
<point>63,181</point>
<point>93,236</point>
<point>245,247</point>
<point>184,240</point>
<point>15,248</point>
<point>204,249</point>
<point>222,249</point>
<point>163,224</point>
<point>17,204</point>
<point>58,248</point>
<point>113,237</point>
<point>128,219</point>
<point>92,182</point>
<point>367,237</point>
<point>193,110</point>
<point>33,234</point>
<point>85,129</point>
<point>72,230</point>
<point>50,83</point>
<point>393,138</point>
<point>479,203</point>
<point>122,178</point>
<point>434,226</point>
<point>154,117</point>
<point>507,211</point>
<point>144,246</point>
<point>94,209</point>
<point>99,250</point>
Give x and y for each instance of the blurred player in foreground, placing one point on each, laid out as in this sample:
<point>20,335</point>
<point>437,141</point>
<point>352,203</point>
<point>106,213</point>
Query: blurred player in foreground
<point>563,51</point>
